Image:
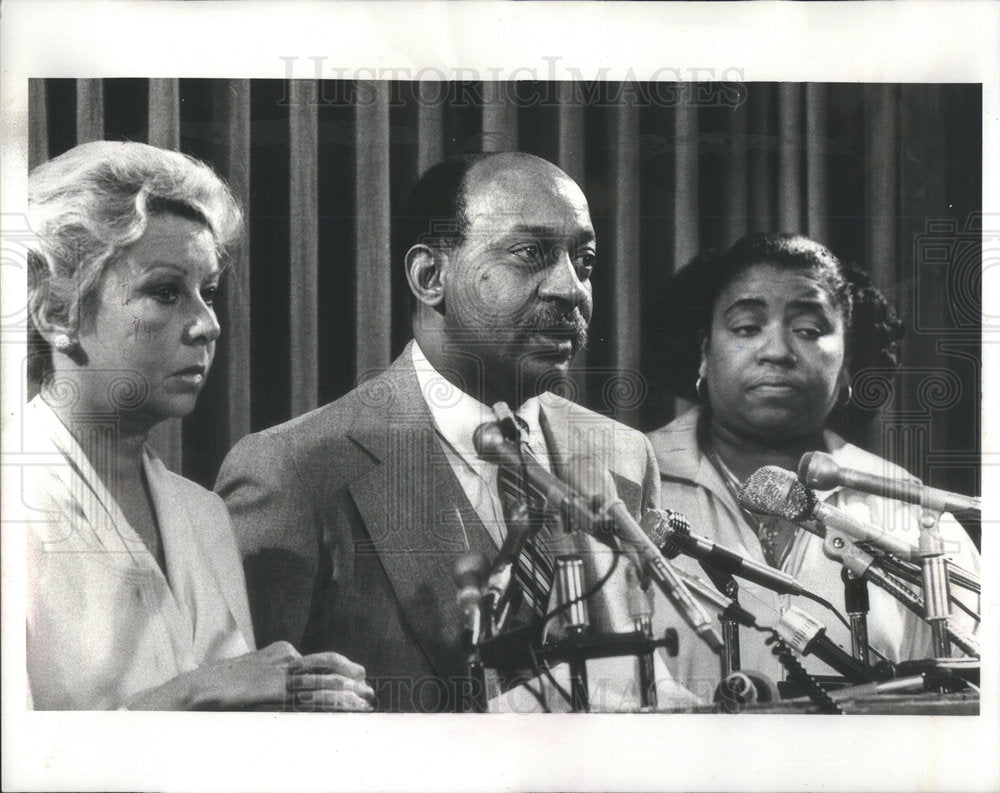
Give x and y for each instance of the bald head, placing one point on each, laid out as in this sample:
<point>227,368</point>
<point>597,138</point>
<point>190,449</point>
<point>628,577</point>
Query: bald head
<point>436,205</point>
<point>501,272</point>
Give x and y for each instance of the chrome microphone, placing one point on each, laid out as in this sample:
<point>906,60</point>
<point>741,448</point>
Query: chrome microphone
<point>671,533</point>
<point>820,471</point>
<point>469,574</point>
<point>774,491</point>
<point>597,482</point>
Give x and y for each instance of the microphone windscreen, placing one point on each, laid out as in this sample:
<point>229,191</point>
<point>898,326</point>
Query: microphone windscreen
<point>819,471</point>
<point>470,569</point>
<point>488,441</point>
<point>663,526</point>
<point>775,491</point>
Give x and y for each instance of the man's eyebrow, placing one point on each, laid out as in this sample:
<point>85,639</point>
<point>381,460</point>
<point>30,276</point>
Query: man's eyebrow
<point>551,232</point>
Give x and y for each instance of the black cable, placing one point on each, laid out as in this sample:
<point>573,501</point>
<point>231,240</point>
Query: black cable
<point>540,694</point>
<point>543,669</point>
<point>964,608</point>
<point>797,674</point>
<point>827,604</point>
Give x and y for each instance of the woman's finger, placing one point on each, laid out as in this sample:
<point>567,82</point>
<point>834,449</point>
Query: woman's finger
<point>329,663</point>
<point>308,681</point>
<point>327,700</point>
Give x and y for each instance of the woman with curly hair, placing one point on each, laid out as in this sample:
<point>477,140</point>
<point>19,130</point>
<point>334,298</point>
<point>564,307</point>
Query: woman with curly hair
<point>135,592</point>
<point>767,336</point>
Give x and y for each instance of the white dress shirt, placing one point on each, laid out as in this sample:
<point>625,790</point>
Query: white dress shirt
<point>456,416</point>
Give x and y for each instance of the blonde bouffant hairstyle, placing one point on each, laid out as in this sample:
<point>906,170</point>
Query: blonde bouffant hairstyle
<point>89,205</point>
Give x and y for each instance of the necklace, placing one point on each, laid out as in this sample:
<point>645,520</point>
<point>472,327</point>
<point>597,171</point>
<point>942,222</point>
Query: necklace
<point>774,533</point>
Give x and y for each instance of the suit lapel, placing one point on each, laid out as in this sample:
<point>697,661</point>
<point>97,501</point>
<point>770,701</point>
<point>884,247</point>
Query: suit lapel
<point>577,437</point>
<point>417,515</point>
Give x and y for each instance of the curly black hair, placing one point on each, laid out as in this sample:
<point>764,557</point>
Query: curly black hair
<point>874,331</point>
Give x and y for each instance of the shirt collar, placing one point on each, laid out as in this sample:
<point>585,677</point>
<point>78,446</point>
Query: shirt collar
<point>456,414</point>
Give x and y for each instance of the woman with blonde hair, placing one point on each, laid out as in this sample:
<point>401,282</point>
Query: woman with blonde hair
<point>136,596</point>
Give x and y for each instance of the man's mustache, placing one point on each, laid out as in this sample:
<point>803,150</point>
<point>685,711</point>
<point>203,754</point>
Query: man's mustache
<point>554,321</point>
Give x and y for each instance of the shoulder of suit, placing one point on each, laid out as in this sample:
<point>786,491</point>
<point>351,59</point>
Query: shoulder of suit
<point>578,413</point>
<point>676,445</point>
<point>366,406</point>
<point>628,442</point>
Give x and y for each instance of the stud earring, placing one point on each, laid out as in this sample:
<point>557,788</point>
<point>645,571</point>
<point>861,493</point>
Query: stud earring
<point>63,343</point>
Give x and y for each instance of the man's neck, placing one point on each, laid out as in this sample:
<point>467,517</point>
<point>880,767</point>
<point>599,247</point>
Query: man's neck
<point>483,386</point>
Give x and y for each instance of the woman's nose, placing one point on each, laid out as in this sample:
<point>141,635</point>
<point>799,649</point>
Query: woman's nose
<point>204,326</point>
<point>776,347</point>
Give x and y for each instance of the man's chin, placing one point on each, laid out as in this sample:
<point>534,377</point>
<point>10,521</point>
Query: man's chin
<point>540,372</point>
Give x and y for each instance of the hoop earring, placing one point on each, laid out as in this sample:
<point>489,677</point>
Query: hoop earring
<point>850,395</point>
<point>697,388</point>
<point>63,343</point>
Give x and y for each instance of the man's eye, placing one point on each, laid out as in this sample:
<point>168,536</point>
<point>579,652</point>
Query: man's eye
<point>209,295</point>
<point>585,264</point>
<point>746,329</point>
<point>529,252</point>
<point>807,332</point>
<point>166,293</point>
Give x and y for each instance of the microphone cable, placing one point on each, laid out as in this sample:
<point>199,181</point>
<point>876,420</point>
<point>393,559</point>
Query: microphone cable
<point>798,674</point>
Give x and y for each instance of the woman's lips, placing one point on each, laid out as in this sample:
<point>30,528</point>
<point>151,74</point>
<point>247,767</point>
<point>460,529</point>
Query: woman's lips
<point>775,387</point>
<point>191,375</point>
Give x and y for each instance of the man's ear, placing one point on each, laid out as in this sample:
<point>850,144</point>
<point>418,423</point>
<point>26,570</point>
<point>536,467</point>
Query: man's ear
<point>424,266</point>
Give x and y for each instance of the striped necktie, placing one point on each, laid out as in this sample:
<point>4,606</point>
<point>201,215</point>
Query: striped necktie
<point>533,570</point>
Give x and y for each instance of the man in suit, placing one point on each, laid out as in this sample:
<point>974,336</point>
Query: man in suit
<point>350,518</point>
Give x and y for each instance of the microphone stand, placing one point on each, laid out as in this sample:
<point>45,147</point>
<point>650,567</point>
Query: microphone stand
<point>934,576</point>
<point>856,605</point>
<point>841,548</point>
<point>640,608</point>
<point>729,658</point>
<point>569,591</point>
<point>474,697</point>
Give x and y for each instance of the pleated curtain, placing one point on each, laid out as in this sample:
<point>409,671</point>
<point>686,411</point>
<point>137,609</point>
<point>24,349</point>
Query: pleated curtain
<point>888,176</point>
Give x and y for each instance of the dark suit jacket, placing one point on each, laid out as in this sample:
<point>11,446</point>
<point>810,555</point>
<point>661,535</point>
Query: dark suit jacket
<point>349,519</point>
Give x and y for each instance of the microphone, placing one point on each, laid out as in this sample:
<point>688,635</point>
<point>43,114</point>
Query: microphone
<point>820,471</point>
<point>591,478</point>
<point>807,635</point>
<point>519,529</point>
<point>671,533</point>
<point>738,690</point>
<point>492,446</point>
<point>775,491</point>
<point>469,573</point>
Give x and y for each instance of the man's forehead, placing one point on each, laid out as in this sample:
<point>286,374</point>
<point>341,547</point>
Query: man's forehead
<point>521,191</point>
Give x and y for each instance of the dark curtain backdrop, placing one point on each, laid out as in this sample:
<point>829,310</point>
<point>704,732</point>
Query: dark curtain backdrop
<point>888,176</point>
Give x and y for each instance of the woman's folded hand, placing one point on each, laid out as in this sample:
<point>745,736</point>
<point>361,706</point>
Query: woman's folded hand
<point>274,678</point>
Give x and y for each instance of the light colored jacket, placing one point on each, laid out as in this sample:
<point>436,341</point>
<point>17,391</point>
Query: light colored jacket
<point>103,623</point>
<point>690,484</point>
